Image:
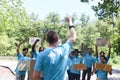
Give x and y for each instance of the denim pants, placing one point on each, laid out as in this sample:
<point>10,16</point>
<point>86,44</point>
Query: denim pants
<point>20,77</point>
<point>88,72</point>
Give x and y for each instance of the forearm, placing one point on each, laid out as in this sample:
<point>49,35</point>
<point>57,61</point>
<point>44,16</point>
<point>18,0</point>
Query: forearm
<point>82,50</point>
<point>109,52</point>
<point>96,48</point>
<point>73,34</point>
<point>17,49</point>
<point>33,46</point>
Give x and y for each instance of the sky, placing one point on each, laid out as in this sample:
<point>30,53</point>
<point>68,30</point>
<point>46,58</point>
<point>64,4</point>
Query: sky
<point>63,7</point>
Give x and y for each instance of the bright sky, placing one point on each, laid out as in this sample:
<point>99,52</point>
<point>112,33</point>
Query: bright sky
<point>62,7</point>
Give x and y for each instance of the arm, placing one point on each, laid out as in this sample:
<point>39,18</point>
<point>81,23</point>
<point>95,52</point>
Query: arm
<point>82,50</point>
<point>110,72</point>
<point>109,50</point>
<point>33,46</point>
<point>96,48</point>
<point>36,75</point>
<point>72,30</point>
<point>18,47</point>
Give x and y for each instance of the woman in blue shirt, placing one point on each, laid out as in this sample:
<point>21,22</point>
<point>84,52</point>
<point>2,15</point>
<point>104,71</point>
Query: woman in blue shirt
<point>20,74</point>
<point>101,74</point>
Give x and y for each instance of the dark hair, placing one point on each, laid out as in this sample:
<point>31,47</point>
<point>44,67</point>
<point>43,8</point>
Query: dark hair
<point>102,52</point>
<point>25,49</point>
<point>52,37</point>
<point>76,50</point>
<point>41,48</point>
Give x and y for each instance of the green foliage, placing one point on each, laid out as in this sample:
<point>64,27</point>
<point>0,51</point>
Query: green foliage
<point>106,9</point>
<point>16,25</point>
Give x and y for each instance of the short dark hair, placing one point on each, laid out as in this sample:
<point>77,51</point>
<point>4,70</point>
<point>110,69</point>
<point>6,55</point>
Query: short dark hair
<point>25,49</point>
<point>76,50</point>
<point>52,37</point>
<point>102,52</point>
<point>41,48</point>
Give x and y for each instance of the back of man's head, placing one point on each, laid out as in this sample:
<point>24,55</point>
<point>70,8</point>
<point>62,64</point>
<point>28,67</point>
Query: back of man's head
<point>52,37</point>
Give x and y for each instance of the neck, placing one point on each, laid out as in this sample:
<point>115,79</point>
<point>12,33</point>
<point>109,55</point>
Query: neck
<point>52,45</point>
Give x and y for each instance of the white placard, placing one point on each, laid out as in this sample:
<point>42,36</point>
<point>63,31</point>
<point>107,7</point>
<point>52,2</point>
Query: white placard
<point>24,65</point>
<point>102,41</point>
<point>33,39</point>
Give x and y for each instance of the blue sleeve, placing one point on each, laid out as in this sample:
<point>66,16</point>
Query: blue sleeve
<point>38,64</point>
<point>95,60</point>
<point>85,54</point>
<point>35,53</point>
<point>81,59</point>
<point>67,47</point>
<point>20,55</point>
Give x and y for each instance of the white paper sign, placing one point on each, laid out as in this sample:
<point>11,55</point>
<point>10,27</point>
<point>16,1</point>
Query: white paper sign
<point>24,65</point>
<point>33,39</point>
<point>102,41</point>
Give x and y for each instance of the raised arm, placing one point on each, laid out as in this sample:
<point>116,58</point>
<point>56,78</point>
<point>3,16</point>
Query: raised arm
<point>33,46</point>
<point>72,30</point>
<point>109,52</point>
<point>18,47</point>
<point>82,49</point>
<point>96,49</point>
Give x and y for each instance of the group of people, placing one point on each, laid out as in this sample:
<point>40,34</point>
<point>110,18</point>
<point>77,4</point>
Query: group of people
<point>86,57</point>
<point>22,56</point>
<point>53,61</point>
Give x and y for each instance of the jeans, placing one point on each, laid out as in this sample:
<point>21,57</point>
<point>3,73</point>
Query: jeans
<point>75,76</point>
<point>88,72</point>
<point>20,77</point>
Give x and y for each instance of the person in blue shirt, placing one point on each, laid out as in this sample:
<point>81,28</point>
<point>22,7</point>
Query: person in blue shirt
<point>89,60</point>
<point>102,53</point>
<point>101,74</point>
<point>35,54</point>
<point>69,65</point>
<point>53,60</point>
<point>34,51</point>
<point>75,59</point>
<point>20,75</point>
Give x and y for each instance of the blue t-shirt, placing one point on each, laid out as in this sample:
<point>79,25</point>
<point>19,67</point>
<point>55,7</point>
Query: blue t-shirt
<point>69,63</point>
<point>89,60</point>
<point>35,53</point>
<point>75,60</point>
<point>53,62</point>
<point>102,75</point>
<point>21,57</point>
<point>107,57</point>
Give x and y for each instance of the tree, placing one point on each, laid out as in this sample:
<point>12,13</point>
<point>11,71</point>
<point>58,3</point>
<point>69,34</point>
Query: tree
<point>13,17</point>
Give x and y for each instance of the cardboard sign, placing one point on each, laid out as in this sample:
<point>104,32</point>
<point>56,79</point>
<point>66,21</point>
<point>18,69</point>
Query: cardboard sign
<point>104,67</point>
<point>80,66</point>
<point>33,39</point>
<point>24,65</point>
<point>102,41</point>
<point>32,64</point>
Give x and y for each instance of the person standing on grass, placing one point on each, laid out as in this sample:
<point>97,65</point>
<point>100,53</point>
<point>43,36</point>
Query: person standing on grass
<point>20,75</point>
<point>53,60</point>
